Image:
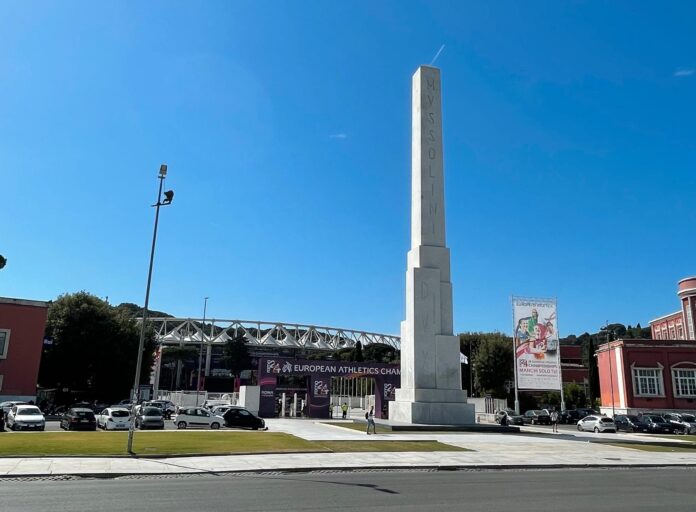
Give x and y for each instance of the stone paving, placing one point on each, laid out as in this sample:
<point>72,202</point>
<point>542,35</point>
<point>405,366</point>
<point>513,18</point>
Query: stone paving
<point>529,449</point>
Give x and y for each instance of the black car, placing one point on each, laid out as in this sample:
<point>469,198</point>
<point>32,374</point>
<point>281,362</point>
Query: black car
<point>241,418</point>
<point>658,425</point>
<point>537,417</point>
<point>629,423</point>
<point>78,418</point>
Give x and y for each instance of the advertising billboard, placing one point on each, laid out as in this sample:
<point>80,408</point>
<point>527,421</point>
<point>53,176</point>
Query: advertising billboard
<point>536,344</point>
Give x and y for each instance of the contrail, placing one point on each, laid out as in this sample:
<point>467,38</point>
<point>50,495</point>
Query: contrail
<point>437,54</point>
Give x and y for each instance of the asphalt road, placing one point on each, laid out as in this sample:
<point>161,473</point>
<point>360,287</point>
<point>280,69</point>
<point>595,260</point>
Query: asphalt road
<point>611,490</point>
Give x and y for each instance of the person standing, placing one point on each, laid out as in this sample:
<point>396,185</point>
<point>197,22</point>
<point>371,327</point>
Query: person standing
<point>371,421</point>
<point>554,420</point>
<point>344,410</point>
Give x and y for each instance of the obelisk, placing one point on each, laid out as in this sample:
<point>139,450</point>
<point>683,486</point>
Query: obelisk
<point>431,390</point>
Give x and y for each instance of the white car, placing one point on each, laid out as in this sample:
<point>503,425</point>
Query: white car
<point>596,424</point>
<point>197,417</point>
<point>114,418</point>
<point>25,417</point>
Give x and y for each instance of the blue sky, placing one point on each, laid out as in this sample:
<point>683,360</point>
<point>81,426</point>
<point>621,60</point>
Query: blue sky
<point>569,155</point>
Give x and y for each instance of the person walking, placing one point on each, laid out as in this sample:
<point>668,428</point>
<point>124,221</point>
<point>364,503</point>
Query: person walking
<point>554,420</point>
<point>344,409</point>
<point>370,416</point>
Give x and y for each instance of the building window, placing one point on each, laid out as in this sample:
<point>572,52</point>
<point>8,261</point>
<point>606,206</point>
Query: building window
<point>684,381</point>
<point>647,381</point>
<point>4,342</point>
<point>680,333</point>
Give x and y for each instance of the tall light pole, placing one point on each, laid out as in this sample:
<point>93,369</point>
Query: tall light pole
<point>168,196</point>
<point>200,351</point>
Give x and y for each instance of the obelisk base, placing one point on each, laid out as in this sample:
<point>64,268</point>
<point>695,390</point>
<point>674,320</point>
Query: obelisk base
<point>435,407</point>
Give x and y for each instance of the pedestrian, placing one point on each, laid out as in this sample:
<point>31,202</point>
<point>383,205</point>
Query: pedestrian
<point>370,417</point>
<point>554,420</point>
<point>344,410</point>
<point>330,411</point>
<point>504,419</point>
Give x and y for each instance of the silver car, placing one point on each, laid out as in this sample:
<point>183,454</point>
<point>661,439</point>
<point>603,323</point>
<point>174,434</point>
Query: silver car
<point>25,417</point>
<point>596,424</point>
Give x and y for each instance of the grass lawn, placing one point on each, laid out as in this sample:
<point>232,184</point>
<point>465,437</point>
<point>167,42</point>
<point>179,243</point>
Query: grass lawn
<point>150,443</point>
<point>36,444</point>
<point>656,447</point>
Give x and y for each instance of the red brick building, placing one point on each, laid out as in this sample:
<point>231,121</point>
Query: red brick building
<point>572,369</point>
<point>647,375</point>
<point>22,325</point>
<point>680,324</point>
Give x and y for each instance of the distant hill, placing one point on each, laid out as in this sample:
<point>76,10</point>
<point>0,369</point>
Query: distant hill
<point>134,311</point>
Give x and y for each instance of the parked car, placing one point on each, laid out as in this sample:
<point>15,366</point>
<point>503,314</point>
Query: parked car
<point>149,417</point>
<point>629,423</point>
<point>6,406</point>
<point>114,418</point>
<point>197,417</point>
<point>79,418</point>
<point>166,405</point>
<point>25,417</point>
<point>658,425</point>
<point>596,424</point>
<point>512,418</point>
<point>220,410</point>
<point>537,417</point>
<point>677,419</point>
<point>690,419</point>
<point>239,417</point>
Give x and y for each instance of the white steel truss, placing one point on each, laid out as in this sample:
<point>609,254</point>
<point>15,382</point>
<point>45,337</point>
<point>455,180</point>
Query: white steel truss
<point>179,331</point>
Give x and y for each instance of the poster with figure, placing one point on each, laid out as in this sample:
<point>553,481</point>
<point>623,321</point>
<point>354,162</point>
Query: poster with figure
<point>536,343</point>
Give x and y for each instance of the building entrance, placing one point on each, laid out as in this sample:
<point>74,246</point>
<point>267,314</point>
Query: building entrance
<point>328,384</point>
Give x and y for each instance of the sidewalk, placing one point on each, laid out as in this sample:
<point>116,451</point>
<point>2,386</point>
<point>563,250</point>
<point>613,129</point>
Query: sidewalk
<point>489,451</point>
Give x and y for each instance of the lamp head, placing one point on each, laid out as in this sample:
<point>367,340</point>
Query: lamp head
<point>163,170</point>
<point>168,196</point>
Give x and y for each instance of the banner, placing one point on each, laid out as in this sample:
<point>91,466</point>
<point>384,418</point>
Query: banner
<point>536,343</point>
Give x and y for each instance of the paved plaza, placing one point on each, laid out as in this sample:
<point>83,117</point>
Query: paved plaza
<point>534,447</point>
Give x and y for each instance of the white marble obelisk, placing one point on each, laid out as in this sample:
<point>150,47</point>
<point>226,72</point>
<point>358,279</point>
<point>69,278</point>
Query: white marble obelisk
<point>431,390</point>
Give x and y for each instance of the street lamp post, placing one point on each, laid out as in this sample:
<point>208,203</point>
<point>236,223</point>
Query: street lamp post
<point>200,351</point>
<point>168,196</point>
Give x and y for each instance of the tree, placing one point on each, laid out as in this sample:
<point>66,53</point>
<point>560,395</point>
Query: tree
<point>493,365</point>
<point>490,362</point>
<point>380,353</point>
<point>593,372</point>
<point>357,353</point>
<point>574,395</point>
<point>3,261</point>
<point>94,348</point>
<point>236,355</point>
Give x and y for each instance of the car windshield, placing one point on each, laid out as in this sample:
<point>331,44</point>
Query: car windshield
<point>120,414</point>
<point>152,411</point>
<point>689,417</point>
<point>28,411</point>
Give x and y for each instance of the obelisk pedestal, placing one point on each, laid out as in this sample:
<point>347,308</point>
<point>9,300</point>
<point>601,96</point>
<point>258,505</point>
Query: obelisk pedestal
<point>431,391</point>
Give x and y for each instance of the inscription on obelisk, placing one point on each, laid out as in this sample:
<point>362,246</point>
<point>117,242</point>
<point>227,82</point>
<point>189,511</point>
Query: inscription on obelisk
<point>430,390</point>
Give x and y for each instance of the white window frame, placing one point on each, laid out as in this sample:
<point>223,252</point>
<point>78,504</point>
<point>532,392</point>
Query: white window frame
<point>6,332</point>
<point>682,367</point>
<point>659,381</point>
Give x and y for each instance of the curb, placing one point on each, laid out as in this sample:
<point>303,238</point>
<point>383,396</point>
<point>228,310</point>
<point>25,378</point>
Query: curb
<point>390,468</point>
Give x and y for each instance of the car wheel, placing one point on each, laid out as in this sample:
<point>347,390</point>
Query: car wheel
<point>181,425</point>
<point>215,426</point>
<point>596,430</point>
<point>580,428</point>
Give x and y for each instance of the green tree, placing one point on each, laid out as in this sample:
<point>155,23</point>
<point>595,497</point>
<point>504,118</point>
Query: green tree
<point>380,353</point>
<point>574,395</point>
<point>593,371</point>
<point>236,355</point>
<point>493,365</point>
<point>357,352</point>
<point>94,348</point>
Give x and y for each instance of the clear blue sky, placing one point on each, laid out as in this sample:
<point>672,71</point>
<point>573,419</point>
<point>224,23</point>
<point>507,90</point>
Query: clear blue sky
<point>570,151</point>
